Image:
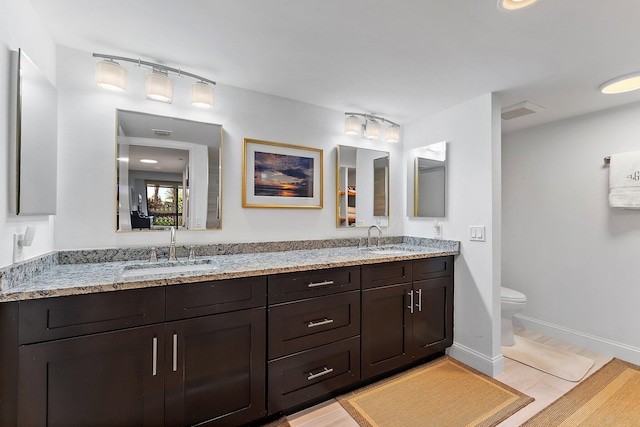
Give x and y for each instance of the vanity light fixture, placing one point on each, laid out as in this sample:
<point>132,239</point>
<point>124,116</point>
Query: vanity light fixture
<point>622,84</point>
<point>514,4</point>
<point>111,75</point>
<point>371,128</point>
<point>159,86</point>
<point>202,95</point>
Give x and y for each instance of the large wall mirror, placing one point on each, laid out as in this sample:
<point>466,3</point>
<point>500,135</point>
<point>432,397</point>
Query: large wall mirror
<point>362,186</point>
<point>34,136</point>
<point>168,173</point>
<point>429,180</point>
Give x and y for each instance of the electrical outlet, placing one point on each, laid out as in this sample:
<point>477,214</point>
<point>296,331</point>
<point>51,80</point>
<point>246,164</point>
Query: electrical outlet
<point>477,233</point>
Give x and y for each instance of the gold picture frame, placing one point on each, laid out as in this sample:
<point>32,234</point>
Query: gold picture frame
<point>277,175</point>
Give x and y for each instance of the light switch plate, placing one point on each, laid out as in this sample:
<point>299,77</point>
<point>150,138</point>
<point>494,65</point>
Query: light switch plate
<point>477,233</point>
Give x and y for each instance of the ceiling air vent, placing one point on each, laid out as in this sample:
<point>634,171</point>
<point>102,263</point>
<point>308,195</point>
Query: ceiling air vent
<point>519,110</point>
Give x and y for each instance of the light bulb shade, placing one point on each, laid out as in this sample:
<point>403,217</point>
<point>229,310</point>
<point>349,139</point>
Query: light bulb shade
<point>202,95</point>
<point>159,87</point>
<point>372,130</point>
<point>352,125</point>
<point>110,75</point>
<point>393,133</point>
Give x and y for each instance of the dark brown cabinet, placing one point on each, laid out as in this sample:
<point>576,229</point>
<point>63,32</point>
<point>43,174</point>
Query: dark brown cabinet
<point>314,335</point>
<point>408,320</point>
<point>207,369</point>
<point>108,379</point>
<point>215,364</point>
<point>218,353</point>
<point>215,369</point>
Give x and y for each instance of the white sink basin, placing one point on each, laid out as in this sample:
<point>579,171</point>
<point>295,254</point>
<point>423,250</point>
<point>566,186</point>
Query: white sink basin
<point>390,250</point>
<point>138,270</point>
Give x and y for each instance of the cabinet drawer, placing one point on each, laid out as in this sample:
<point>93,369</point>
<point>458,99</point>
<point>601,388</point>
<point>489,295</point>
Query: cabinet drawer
<point>62,317</point>
<point>314,373</point>
<point>306,284</point>
<point>431,268</point>
<point>216,296</point>
<point>388,273</point>
<point>298,326</point>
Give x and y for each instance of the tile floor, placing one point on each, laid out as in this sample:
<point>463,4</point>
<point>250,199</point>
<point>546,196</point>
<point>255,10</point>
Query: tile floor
<point>544,388</point>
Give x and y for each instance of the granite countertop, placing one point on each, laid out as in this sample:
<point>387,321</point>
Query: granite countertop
<point>75,279</point>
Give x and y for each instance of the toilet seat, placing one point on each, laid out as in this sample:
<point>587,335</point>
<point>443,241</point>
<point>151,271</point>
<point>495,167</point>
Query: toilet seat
<point>511,295</point>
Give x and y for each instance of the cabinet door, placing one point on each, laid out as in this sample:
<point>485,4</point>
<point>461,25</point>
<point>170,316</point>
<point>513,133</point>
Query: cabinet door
<point>432,316</point>
<point>108,379</point>
<point>386,329</point>
<point>215,369</point>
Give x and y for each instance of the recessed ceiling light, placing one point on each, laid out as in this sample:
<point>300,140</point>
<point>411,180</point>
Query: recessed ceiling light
<point>514,4</point>
<point>148,161</point>
<point>622,84</point>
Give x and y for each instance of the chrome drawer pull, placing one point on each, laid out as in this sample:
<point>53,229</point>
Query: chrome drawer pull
<point>419,304</point>
<point>175,352</point>
<point>410,306</point>
<point>325,371</point>
<point>155,356</point>
<point>325,283</point>
<point>320,323</point>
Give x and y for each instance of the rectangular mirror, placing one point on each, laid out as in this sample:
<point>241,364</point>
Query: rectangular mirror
<point>168,173</point>
<point>34,136</point>
<point>430,181</point>
<point>362,187</point>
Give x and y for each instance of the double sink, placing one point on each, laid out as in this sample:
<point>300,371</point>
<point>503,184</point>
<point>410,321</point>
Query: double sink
<point>208,264</point>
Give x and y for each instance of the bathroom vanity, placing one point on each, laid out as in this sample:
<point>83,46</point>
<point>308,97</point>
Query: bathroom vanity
<point>203,348</point>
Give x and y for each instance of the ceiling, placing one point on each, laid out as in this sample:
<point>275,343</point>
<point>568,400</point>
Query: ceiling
<point>401,59</point>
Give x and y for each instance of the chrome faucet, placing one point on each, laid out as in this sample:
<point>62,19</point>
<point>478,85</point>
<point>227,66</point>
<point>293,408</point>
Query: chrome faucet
<point>369,235</point>
<point>172,245</point>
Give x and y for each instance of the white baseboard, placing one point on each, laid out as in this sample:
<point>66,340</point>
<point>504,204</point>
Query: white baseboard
<point>488,366</point>
<point>590,342</point>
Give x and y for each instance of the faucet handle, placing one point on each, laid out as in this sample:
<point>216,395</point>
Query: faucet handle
<point>154,255</point>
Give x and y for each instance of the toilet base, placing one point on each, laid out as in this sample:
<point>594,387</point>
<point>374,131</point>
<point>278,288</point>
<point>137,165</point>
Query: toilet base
<point>506,338</point>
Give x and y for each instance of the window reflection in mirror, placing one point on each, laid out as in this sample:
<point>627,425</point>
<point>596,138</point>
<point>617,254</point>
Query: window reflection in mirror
<point>362,187</point>
<point>168,173</point>
<point>430,181</point>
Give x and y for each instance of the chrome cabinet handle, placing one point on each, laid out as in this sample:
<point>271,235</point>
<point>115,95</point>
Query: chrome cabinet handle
<point>419,305</point>
<point>324,371</point>
<point>410,306</point>
<point>175,352</point>
<point>325,283</point>
<point>154,363</point>
<point>313,324</point>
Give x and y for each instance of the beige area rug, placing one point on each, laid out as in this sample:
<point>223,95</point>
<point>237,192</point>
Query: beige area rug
<point>280,422</point>
<point>609,397</point>
<point>562,364</point>
<point>444,392</point>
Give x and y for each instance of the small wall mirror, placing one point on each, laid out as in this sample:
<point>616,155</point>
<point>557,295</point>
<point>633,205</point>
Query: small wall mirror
<point>168,173</point>
<point>362,187</point>
<point>429,180</point>
<point>33,147</point>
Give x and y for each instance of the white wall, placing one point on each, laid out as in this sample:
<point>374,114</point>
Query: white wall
<point>20,27</point>
<point>575,258</point>
<point>472,132</point>
<point>86,202</point>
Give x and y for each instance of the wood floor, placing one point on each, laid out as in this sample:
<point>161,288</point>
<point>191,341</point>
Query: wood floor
<point>544,388</point>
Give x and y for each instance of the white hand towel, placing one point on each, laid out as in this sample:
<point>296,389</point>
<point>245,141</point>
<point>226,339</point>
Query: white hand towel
<point>624,180</point>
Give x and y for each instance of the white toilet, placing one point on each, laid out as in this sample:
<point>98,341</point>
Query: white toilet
<point>511,302</point>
